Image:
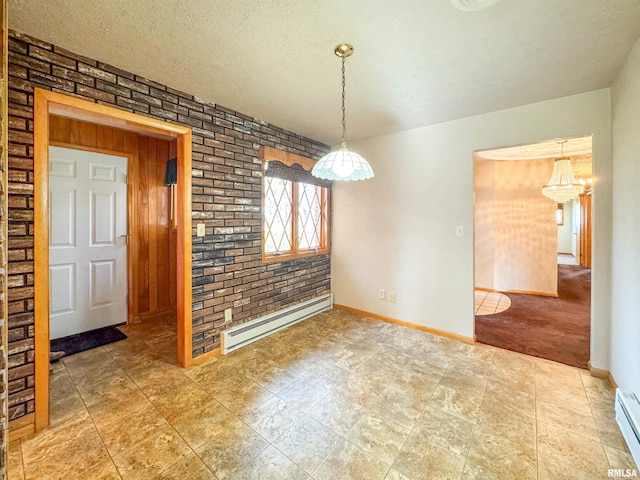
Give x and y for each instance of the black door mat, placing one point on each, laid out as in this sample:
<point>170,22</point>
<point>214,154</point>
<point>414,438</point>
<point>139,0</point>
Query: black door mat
<point>86,341</point>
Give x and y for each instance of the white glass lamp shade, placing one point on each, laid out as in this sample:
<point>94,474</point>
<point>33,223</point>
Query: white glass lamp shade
<point>342,165</point>
<point>562,186</point>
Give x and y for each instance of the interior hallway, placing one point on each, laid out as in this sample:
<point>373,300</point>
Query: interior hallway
<point>567,259</point>
<point>338,396</point>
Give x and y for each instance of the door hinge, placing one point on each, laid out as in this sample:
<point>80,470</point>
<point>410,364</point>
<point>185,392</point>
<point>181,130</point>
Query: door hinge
<point>126,299</point>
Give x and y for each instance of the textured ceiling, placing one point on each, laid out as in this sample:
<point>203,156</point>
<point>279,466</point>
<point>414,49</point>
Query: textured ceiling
<point>578,149</point>
<point>416,62</point>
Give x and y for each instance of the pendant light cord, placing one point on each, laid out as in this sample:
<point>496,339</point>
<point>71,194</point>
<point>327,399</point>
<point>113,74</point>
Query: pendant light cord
<point>344,122</point>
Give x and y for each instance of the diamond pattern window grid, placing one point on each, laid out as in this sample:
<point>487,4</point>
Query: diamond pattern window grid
<point>309,216</point>
<point>277,215</point>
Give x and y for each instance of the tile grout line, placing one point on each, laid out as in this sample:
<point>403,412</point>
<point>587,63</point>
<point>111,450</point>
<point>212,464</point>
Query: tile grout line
<point>414,425</point>
<point>559,427</point>
<point>584,437</point>
<point>93,421</point>
<point>89,414</point>
<point>593,414</point>
<point>475,424</point>
<point>323,459</point>
<point>144,439</point>
<point>193,450</point>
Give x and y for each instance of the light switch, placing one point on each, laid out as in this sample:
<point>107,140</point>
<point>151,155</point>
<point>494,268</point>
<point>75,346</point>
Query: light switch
<point>459,231</point>
<point>200,232</point>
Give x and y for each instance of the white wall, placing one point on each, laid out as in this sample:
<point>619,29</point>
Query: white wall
<point>514,227</point>
<point>565,231</point>
<point>625,311</point>
<point>397,231</point>
<point>484,197</point>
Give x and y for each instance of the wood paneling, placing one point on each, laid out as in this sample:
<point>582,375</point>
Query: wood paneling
<point>152,242</point>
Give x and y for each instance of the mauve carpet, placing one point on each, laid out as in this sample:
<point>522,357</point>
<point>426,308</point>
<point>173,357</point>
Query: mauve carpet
<point>557,329</point>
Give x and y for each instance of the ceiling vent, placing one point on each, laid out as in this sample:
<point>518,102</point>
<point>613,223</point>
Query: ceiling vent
<point>473,5</point>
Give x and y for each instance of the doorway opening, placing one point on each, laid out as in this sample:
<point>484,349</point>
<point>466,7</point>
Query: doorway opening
<point>62,122</point>
<point>533,251</point>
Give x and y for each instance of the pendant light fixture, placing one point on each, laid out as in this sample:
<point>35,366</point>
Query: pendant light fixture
<point>342,165</point>
<point>562,186</point>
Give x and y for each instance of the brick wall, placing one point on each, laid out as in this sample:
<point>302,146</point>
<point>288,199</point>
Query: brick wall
<point>3,243</point>
<point>227,267</point>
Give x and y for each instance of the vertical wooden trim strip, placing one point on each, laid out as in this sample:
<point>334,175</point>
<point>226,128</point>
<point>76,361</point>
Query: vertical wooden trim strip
<point>129,144</point>
<point>326,219</point>
<point>295,247</point>
<point>41,257</point>
<point>263,231</point>
<point>184,280</point>
<point>132,165</point>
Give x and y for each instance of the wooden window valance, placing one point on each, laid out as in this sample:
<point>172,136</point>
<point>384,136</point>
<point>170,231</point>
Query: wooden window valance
<point>289,166</point>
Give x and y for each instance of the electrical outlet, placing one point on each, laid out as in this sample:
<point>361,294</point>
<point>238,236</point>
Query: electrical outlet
<point>392,297</point>
<point>459,231</point>
<point>200,230</point>
<point>381,294</point>
<point>228,315</point>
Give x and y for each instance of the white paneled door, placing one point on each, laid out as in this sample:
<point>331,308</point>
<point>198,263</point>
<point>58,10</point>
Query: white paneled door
<point>87,240</point>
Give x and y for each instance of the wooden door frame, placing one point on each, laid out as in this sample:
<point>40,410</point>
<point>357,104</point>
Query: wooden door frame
<point>45,104</point>
<point>586,230</point>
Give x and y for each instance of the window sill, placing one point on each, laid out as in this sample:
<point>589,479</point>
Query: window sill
<point>270,258</point>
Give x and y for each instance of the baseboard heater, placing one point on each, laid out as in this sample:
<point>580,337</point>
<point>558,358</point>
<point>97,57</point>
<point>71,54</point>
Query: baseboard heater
<point>628,418</point>
<point>249,332</point>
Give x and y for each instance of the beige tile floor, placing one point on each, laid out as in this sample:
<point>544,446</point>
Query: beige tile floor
<point>490,303</point>
<point>338,396</point>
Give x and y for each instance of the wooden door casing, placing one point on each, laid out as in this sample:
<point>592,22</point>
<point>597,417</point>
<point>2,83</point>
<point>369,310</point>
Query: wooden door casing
<point>585,231</point>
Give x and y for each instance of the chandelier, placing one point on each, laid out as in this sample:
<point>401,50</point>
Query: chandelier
<point>562,186</point>
<point>342,165</point>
